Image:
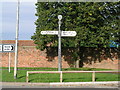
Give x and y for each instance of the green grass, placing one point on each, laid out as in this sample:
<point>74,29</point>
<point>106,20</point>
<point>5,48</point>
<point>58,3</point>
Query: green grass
<point>67,77</point>
<point>64,69</point>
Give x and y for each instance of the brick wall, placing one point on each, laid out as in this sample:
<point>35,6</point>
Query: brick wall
<point>29,56</point>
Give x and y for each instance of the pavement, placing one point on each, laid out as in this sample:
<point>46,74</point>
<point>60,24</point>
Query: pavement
<point>112,84</point>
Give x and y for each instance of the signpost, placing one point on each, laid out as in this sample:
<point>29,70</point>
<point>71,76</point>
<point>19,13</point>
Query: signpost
<point>60,34</point>
<point>8,48</point>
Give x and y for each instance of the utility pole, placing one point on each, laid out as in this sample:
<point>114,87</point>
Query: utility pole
<point>16,42</point>
<point>59,44</point>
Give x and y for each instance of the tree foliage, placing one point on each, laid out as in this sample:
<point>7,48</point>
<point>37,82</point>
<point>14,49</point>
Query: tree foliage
<point>96,23</point>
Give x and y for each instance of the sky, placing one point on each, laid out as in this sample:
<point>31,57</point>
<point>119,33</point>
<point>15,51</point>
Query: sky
<point>26,19</point>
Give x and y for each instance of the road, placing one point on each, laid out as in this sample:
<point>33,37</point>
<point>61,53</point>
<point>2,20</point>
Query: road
<point>111,85</point>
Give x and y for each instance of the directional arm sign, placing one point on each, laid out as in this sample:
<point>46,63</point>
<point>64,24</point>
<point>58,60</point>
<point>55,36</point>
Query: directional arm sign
<point>49,32</point>
<point>63,33</point>
<point>68,33</point>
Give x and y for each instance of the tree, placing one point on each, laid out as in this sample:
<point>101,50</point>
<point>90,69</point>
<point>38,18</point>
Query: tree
<point>95,23</point>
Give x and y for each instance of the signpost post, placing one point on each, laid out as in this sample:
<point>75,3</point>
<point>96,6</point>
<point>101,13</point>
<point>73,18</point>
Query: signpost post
<point>9,61</point>
<point>59,44</point>
<point>60,34</point>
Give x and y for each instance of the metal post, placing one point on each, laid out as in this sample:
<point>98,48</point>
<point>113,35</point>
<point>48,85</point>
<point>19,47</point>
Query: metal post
<point>59,44</point>
<point>16,44</point>
<point>9,61</point>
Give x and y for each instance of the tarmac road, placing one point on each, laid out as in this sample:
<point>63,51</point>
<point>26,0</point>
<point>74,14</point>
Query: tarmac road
<point>111,85</point>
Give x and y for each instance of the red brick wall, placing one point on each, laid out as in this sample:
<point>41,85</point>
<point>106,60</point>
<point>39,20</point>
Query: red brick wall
<point>106,64</point>
<point>29,56</point>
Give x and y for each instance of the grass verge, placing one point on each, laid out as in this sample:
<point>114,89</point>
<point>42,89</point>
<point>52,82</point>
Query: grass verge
<point>67,77</point>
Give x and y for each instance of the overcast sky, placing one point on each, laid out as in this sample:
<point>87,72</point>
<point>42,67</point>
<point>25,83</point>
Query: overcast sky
<point>26,19</point>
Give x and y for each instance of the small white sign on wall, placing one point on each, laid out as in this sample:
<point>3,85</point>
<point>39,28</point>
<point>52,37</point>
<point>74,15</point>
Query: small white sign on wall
<point>8,47</point>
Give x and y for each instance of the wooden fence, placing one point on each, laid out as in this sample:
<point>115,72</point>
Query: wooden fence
<point>61,73</point>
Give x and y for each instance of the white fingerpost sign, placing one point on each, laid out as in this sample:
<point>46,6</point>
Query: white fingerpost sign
<point>60,34</point>
<point>49,32</point>
<point>68,33</point>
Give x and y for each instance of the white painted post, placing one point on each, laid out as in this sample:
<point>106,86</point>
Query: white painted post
<point>27,77</point>
<point>93,76</point>
<point>9,62</point>
<point>61,76</point>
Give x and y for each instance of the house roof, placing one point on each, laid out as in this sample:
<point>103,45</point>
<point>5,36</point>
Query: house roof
<point>20,42</point>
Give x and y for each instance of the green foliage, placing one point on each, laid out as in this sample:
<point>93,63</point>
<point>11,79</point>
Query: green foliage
<point>96,23</point>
